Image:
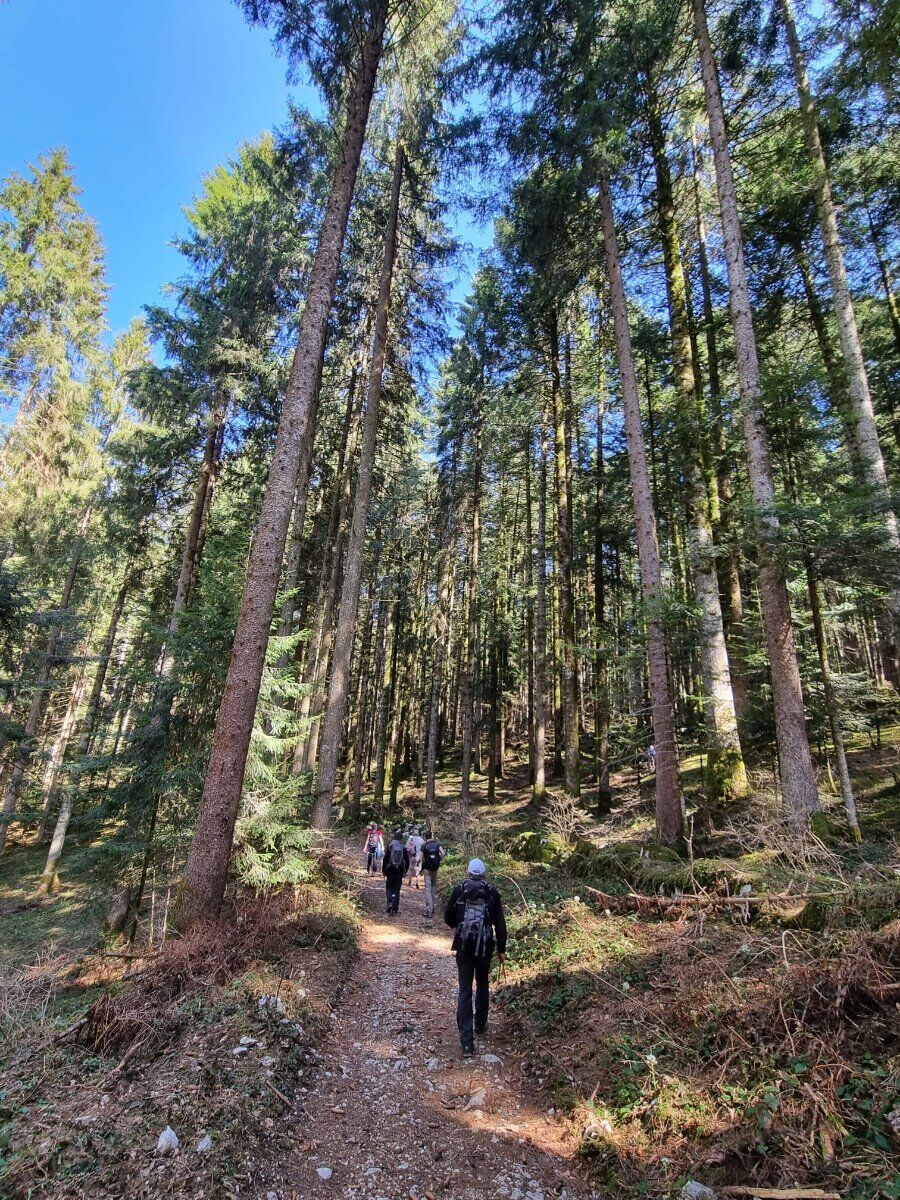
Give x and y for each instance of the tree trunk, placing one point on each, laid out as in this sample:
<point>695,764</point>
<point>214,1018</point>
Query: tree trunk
<point>601,634</point>
<point>564,560</point>
<point>832,707</point>
<point>96,695</point>
<point>540,628</point>
<point>886,282</point>
<point>207,866</point>
<point>49,879</point>
<point>468,679</point>
<point>669,804</point>
<point>41,688</point>
<point>726,775</point>
<point>797,772</point>
<point>729,575</point>
<point>327,593</point>
<point>345,631</point>
<point>442,629</point>
<point>58,752</point>
<point>862,410</point>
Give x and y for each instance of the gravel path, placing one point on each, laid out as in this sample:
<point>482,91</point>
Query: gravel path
<point>399,1115</point>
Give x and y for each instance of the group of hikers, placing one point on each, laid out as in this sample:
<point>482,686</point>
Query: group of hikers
<point>474,911</point>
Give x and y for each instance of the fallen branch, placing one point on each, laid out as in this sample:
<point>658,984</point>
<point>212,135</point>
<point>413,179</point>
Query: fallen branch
<point>636,901</point>
<point>71,1029</point>
<point>780,1193</point>
<point>280,1095</point>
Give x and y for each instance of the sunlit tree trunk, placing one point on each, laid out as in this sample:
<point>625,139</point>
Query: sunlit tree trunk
<point>564,562</point>
<point>441,637</point>
<point>797,773</point>
<point>862,410</point>
<point>601,633</point>
<point>207,867</point>
<point>467,698</point>
<point>345,631</point>
<point>726,775</point>
<point>723,518</point>
<point>540,625</point>
<point>669,804</point>
<point>40,690</point>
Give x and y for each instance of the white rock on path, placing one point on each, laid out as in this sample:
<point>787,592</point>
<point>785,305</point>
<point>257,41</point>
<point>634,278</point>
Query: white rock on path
<point>492,1060</point>
<point>324,1172</point>
<point>168,1141</point>
<point>205,1144</point>
<point>476,1100</point>
<point>694,1190</point>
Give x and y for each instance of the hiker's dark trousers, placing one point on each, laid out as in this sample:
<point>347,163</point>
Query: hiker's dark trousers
<point>393,886</point>
<point>472,1018</point>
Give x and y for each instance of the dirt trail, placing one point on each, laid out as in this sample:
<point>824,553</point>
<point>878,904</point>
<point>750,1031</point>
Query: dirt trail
<point>398,1114</point>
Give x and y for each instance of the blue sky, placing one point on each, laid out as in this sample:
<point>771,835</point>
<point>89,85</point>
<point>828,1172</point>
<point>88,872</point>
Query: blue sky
<point>147,96</point>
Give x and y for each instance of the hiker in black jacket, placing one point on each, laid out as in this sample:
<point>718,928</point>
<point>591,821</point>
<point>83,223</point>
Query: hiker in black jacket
<point>475,911</point>
<point>394,867</point>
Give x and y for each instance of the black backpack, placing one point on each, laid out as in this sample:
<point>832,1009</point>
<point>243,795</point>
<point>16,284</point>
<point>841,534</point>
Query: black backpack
<point>475,934</point>
<point>395,862</point>
<point>431,855</point>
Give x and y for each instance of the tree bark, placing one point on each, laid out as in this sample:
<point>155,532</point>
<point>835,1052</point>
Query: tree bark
<point>564,553</point>
<point>41,688</point>
<point>601,633</point>
<point>726,775</point>
<point>336,710</point>
<point>540,627</point>
<point>797,772</point>
<point>207,867</point>
<point>469,668</point>
<point>441,634</point>
<point>669,803</point>
<point>861,408</point>
<point>96,694</point>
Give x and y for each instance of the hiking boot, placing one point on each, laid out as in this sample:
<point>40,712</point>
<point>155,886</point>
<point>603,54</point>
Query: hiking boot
<point>481,1030</point>
<point>468,1050</point>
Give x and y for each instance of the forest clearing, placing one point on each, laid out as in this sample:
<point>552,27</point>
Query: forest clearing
<point>563,568</point>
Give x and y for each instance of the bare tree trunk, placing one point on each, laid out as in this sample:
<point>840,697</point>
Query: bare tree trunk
<point>564,561</point>
<point>601,633</point>
<point>540,628</point>
<point>726,775</point>
<point>723,516</point>
<point>886,281</point>
<point>669,804</point>
<point>832,707</point>
<point>386,701</point>
<point>207,866</point>
<point>442,630</point>
<point>58,751</point>
<point>327,594</point>
<point>862,410</point>
<point>797,772</point>
<point>96,695</point>
<point>468,679</point>
<point>49,877</point>
<point>336,710</point>
<point>41,688</point>
<point>362,706</point>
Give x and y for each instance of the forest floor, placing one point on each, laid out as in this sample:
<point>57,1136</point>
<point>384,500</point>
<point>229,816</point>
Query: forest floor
<point>642,1043</point>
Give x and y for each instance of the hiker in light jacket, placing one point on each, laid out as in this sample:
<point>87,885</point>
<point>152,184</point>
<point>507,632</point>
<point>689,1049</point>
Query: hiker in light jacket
<point>394,867</point>
<point>475,911</point>
<point>432,857</point>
